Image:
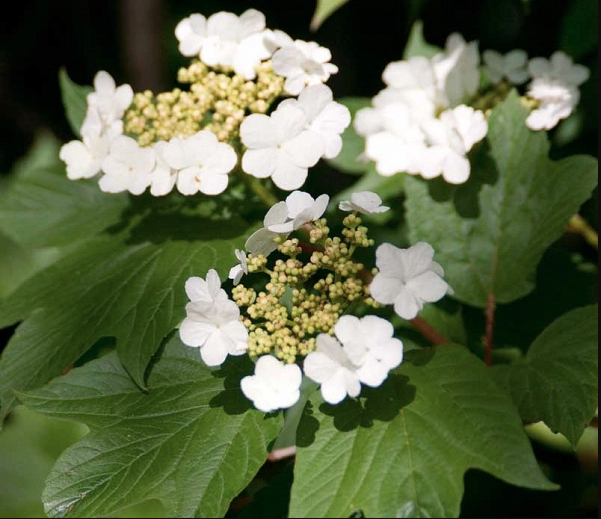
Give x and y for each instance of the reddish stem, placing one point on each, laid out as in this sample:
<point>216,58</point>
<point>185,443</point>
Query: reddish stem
<point>428,332</point>
<point>490,326</point>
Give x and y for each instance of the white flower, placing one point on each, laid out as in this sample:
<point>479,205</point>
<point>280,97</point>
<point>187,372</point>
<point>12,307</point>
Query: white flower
<point>330,366</point>
<point>513,66</point>
<point>226,40</point>
<point>84,158</point>
<point>457,69</point>
<point>370,345</point>
<point>127,167</point>
<point>407,278</point>
<point>280,147</point>
<point>203,294</point>
<point>557,101</point>
<point>450,138</point>
<point>298,209</point>
<point>191,33</point>
<point>560,67</point>
<point>212,321</point>
<point>399,142</point>
<point>303,64</point>
<point>325,117</point>
<point>109,101</point>
<point>237,271</point>
<point>555,85</point>
<point>274,385</point>
<point>365,202</point>
<point>196,163</point>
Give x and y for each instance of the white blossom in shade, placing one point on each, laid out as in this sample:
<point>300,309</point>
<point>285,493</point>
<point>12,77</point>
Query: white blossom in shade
<point>127,167</point>
<point>325,116</point>
<point>280,147</point>
<point>330,366</point>
<point>512,66</point>
<point>457,69</point>
<point>303,64</point>
<point>191,33</point>
<point>284,217</point>
<point>450,138</point>
<point>555,85</point>
<point>109,101</point>
<point>559,67</point>
<point>274,385</point>
<point>396,147</point>
<point>365,202</point>
<point>198,163</point>
<point>370,345</point>
<point>237,271</point>
<point>407,278</point>
<point>212,321</point>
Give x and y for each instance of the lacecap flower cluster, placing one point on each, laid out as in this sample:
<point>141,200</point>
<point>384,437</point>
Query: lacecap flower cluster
<point>255,98</point>
<point>294,292</point>
<point>433,111</point>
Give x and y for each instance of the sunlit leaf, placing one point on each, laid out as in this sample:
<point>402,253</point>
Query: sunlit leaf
<point>193,442</point>
<point>558,380</point>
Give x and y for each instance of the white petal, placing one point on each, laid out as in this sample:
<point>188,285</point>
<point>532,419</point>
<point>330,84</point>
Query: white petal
<point>260,163</point>
<point>287,175</point>
<point>258,131</point>
<point>214,351</point>
<point>428,286</point>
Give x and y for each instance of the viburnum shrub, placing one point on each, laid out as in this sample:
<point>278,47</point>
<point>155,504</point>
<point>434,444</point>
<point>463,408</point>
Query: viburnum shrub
<point>204,312</point>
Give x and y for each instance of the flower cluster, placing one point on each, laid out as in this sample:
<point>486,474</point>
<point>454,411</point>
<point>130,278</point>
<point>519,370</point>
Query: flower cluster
<point>433,111</point>
<point>255,97</point>
<point>293,293</point>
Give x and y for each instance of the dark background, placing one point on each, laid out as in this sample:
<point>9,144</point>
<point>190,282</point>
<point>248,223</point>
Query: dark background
<point>134,41</point>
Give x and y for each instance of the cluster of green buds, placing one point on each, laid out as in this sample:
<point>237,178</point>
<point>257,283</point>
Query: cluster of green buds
<point>308,284</point>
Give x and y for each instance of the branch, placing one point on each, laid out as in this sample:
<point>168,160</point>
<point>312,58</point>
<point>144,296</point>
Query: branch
<point>428,332</point>
<point>490,326</point>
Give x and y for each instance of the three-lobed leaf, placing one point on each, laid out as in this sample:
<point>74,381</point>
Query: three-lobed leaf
<point>490,233</point>
<point>193,441</point>
<point>557,382</point>
<point>105,288</point>
<point>402,450</point>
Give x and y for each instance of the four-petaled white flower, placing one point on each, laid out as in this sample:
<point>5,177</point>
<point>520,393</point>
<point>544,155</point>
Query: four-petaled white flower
<point>365,202</point>
<point>212,321</point>
<point>284,217</point>
<point>330,366</point>
<point>226,40</point>
<point>364,351</point>
<point>274,385</point>
<point>449,139</point>
<point>110,102</point>
<point>325,116</point>
<point>303,64</point>
<point>84,157</point>
<point>280,146</point>
<point>127,167</point>
<point>407,278</point>
<point>197,163</point>
<point>555,85</point>
<point>512,66</point>
<point>237,271</point>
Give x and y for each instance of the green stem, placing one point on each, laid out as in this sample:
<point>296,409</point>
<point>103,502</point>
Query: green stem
<point>266,196</point>
<point>580,226</point>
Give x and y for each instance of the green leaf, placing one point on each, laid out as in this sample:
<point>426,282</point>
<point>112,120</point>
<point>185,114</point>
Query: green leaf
<point>353,145</point>
<point>43,208</point>
<point>323,10</point>
<point>29,446</point>
<point>579,32</point>
<point>490,233</point>
<point>558,381</point>
<point>103,289</point>
<point>402,450</point>
<point>417,45</point>
<point>18,263</point>
<point>193,442</point>
<point>74,100</point>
